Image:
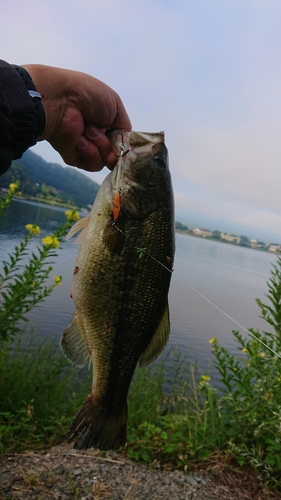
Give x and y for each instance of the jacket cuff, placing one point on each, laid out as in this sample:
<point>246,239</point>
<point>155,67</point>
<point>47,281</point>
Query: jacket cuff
<point>22,118</point>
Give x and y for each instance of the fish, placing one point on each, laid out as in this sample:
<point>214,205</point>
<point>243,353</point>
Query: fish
<point>120,284</point>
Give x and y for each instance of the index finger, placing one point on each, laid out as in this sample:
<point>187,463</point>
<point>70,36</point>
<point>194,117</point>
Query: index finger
<point>121,120</point>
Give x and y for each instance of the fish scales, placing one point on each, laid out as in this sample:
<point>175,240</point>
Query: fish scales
<point>120,286</point>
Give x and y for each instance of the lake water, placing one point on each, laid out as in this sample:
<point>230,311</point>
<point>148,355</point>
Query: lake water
<point>231,277</point>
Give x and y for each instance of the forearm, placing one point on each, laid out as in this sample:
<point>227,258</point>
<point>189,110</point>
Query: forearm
<point>77,110</point>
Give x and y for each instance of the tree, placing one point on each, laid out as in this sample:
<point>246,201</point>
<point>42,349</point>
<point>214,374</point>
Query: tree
<point>74,187</point>
<point>181,227</point>
<point>244,239</point>
<point>216,234</point>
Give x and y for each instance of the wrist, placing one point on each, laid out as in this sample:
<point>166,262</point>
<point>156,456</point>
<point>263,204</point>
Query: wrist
<point>49,85</point>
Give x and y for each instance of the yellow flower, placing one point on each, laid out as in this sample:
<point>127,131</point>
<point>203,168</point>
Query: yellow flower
<point>33,229</point>
<point>30,410</point>
<point>261,355</point>
<point>47,240</point>
<point>245,350</point>
<point>51,241</point>
<point>72,215</point>
<point>13,187</point>
<point>205,378</point>
<point>58,280</point>
<point>213,340</point>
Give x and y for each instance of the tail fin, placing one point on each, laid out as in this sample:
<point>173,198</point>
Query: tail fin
<point>93,428</point>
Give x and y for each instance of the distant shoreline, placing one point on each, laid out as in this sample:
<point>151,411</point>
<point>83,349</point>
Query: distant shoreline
<point>53,203</point>
<point>265,247</point>
<point>262,248</point>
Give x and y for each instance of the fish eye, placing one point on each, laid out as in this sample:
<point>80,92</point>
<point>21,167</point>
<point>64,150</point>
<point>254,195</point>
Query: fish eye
<point>160,160</point>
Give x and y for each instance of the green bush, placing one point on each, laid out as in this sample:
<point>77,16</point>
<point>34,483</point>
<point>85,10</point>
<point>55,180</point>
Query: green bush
<point>39,390</point>
<point>191,419</point>
<point>22,285</point>
<point>251,400</point>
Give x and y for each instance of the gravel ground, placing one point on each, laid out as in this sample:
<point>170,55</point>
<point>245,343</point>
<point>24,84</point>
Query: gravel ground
<point>61,473</point>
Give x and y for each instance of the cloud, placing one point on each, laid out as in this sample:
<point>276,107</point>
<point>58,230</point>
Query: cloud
<point>242,165</point>
<point>203,209</point>
<point>205,72</point>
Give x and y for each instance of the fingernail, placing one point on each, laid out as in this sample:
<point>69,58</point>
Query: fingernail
<point>92,132</point>
<point>82,143</point>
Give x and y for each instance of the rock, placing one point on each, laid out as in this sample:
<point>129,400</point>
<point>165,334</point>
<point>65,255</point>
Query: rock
<point>77,472</point>
<point>58,474</point>
<point>179,481</point>
<point>191,481</point>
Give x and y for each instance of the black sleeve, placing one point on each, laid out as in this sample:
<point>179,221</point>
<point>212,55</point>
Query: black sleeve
<point>22,118</point>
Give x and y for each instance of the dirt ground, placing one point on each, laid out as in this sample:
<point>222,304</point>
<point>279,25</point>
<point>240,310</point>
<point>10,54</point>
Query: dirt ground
<point>61,473</point>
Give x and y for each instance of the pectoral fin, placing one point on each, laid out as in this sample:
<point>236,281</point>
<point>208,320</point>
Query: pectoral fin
<point>158,341</point>
<point>114,235</point>
<point>80,224</point>
<point>73,343</point>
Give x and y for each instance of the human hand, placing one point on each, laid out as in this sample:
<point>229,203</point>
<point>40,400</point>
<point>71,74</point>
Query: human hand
<point>78,110</point>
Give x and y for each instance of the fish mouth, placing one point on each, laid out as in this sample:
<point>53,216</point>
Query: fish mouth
<point>139,142</point>
<point>120,141</point>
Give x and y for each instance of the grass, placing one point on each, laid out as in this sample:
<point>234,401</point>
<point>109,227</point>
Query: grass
<point>169,412</point>
<point>40,393</point>
<point>175,416</point>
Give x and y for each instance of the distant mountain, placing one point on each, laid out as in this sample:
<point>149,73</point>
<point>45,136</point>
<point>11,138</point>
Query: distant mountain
<point>51,182</point>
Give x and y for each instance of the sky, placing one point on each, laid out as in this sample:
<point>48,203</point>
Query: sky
<point>207,72</point>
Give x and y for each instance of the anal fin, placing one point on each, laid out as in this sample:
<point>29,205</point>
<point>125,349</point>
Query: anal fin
<point>158,341</point>
<point>73,343</point>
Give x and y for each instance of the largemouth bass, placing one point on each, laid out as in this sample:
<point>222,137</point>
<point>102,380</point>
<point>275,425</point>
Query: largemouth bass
<point>120,284</point>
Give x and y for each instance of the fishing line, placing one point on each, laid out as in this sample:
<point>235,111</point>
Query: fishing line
<point>229,317</point>
<point>214,305</point>
<point>143,250</point>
